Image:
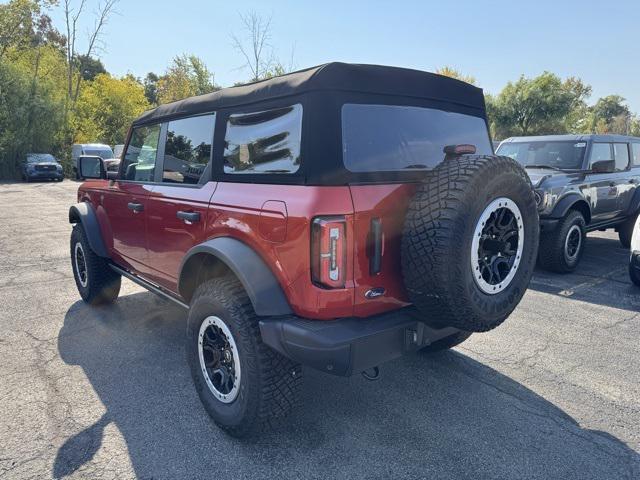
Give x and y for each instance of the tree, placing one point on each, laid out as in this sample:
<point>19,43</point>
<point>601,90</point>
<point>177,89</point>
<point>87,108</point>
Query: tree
<point>259,56</point>
<point>21,20</point>
<point>255,48</point>
<point>536,106</point>
<point>151,88</point>
<point>453,73</point>
<point>106,107</point>
<point>72,17</point>
<point>187,76</point>
<point>89,67</point>
<point>610,115</point>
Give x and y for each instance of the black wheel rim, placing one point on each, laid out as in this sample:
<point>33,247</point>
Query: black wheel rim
<point>497,245</point>
<point>573,242</point>
<point>219,359</point>
<point>81,264</point>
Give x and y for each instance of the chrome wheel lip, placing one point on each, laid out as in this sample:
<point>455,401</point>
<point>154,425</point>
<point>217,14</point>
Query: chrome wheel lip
<point>212,320</point>
<point>498,203</point>
<point>78,251</point>
<point>573,229</point>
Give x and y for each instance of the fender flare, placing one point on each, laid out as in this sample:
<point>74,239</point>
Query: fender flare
<point>567,202</point>
<point>84,214</point>
<point>263,288</point>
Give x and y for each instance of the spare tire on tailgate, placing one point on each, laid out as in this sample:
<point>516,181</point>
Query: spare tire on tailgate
<point>470,242</point>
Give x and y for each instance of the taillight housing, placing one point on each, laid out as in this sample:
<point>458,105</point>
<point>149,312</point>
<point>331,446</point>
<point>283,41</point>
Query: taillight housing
<point>329,251</point>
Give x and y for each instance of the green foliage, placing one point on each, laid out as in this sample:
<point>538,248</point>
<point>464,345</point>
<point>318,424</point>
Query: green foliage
<point>105,109</point>
<point>186,76</point>
<point>89,67</point>
<point>454,73</point>
<point>537,106</point>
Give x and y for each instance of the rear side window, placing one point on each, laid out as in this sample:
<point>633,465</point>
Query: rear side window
<point>635,148</point>
<point>378,138</point>
<point>187,150</point>
<point>600,152</point>
<point>264,142</point>
<point>621,152</point>
<point>140,158</point>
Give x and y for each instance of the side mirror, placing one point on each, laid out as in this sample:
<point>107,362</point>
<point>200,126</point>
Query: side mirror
<point>603,166</point>
<point>91,167</point>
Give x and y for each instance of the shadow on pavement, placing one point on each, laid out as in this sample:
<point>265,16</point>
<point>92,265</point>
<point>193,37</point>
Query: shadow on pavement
<point>444,416</point>
<point>601,278</point>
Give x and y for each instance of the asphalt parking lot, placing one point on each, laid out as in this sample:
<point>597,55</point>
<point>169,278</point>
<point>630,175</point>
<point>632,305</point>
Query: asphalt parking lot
<point>106,393</point>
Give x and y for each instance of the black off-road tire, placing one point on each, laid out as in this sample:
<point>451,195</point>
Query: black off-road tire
<point>270,383</point>
<point>625,231</point>
<point>102,284</point>
<point>446,343</point>
<point>438,236</point>
<point>553,255</point>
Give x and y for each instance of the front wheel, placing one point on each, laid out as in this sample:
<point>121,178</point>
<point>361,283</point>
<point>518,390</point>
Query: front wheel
<point>97,283</point>
<point>625,231</point>
<point>244,385</point>
<point>561,250</point>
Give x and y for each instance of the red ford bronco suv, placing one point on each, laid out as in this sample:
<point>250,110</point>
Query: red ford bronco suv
<point>337,217</point>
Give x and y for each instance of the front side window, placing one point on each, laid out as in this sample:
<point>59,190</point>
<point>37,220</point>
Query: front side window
<point>377,138</point>
<point>600,152</point>
<point>621,151</point>
<point>187,150</point>
<point>140,158</point>
<point>264,142</point>
<point>565,155</point>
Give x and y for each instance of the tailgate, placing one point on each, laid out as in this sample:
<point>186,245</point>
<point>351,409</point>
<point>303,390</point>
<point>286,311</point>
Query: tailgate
<point>379,212</point>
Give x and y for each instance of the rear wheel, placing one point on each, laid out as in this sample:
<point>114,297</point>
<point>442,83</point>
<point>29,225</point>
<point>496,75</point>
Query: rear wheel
<point>470,242</point>
<point>562,248</point>
<point>97,283</point>
<point>244,385</point>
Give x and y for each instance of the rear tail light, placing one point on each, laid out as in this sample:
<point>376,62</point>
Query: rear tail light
<point>328,251</point>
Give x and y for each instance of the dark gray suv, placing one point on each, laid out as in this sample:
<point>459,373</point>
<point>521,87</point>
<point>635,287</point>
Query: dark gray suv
<point>582,183</point>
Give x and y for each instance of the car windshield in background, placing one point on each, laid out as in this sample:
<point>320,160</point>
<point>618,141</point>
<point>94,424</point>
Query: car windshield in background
<point>564,155</point>
<point>40,157</point>
<point>104,153</point>
<point>378,138</point>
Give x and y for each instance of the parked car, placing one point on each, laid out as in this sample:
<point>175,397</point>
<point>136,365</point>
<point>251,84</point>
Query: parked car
<point>91,149</point>
<point>582,183</point>
<point>41,166</point>
<point>336,217</point>
<point>117,151</point>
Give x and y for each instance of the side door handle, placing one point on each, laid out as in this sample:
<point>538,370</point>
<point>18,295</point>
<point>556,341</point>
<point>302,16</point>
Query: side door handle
<point>188,217</point>
<point>136,207</point>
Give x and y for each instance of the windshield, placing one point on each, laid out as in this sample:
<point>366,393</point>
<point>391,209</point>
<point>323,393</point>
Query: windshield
<point>104,153</point>
<point>565,155</point>
<point>40,157</point>
<point>378,138</point>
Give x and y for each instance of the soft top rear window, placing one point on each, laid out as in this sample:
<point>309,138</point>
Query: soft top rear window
<point>379,138</point>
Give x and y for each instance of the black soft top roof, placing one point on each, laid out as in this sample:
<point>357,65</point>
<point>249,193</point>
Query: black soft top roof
<point>374,79</point>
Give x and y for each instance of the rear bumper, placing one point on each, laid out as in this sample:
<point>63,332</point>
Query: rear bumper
<point>349,345</point>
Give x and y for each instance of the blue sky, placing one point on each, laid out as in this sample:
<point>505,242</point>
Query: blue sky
<point>495,41</point>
